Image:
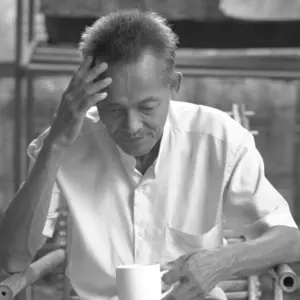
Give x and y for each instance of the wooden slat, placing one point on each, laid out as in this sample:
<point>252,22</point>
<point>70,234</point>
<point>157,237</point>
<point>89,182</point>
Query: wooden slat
<point>67,69</point>
<point>234,285</point>
<point>233,296</point>
<point>39,69</point>
<point>235,73</point>
<point>57,50</point>
<point>253,288</point>
<point>55,59</point>
<point>264,59</point>
<point>237,295</point>
<point>191,62</point>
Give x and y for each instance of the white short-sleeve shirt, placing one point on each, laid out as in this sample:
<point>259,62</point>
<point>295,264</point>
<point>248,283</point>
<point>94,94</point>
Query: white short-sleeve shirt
<point>208,172</point>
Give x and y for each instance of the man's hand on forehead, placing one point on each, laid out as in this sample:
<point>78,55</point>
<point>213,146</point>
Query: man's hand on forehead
<point>81,94</point>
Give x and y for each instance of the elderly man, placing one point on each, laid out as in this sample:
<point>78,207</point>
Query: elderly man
<point>147,179</point>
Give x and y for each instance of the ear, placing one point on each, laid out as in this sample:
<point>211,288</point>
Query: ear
<point>175,83</point>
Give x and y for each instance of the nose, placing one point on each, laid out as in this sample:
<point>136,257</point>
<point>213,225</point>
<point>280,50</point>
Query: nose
<point>132,123</point>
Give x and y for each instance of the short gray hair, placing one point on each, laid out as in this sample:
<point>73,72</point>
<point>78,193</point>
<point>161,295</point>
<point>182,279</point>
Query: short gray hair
<point>122,36</point>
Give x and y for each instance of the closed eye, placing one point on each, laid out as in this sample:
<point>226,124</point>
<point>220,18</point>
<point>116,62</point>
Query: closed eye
<point>149,104</point>
<point>148,108</point>
<point>114,108</point>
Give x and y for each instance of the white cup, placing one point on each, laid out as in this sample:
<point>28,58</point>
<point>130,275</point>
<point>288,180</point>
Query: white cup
<point>140,282</point>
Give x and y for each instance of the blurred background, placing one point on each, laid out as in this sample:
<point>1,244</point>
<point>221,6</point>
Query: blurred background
<point>230,52</point>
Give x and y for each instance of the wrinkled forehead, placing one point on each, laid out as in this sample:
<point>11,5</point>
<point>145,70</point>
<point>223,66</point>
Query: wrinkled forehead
<point>143,77</point>
<point>147,70</point>
<point>148,67</point>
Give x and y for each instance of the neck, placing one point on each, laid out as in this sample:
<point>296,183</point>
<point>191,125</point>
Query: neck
<point>145,161</point>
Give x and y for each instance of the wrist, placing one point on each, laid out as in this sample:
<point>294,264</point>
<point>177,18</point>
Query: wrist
<point>227,255</point>
<point>232,253</point>
<point>52,148</point>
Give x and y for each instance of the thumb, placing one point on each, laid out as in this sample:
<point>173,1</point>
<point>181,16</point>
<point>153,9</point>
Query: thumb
<point>172,273</point>
<point>167,266</point>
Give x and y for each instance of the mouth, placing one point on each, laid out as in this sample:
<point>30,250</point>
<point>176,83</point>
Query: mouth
<point>132,140</point>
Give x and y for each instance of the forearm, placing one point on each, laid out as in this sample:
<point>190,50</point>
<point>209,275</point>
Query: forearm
<point>276,246</point>
<point>23,222</point>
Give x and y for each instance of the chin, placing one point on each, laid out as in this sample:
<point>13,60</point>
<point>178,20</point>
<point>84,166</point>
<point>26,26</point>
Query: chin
<point>135,150</point>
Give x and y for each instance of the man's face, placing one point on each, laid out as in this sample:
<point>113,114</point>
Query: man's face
<point>136,108</point>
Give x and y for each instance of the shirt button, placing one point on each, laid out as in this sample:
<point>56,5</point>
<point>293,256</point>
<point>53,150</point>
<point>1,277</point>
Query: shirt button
<point>141,233</point>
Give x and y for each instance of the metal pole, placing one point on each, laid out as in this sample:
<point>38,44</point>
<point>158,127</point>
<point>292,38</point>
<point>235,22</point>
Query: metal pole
<point>17,147</point>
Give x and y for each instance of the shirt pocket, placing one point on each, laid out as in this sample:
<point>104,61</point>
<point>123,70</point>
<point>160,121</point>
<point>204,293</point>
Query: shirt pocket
<point>183,240</point>
<point>180,243</point>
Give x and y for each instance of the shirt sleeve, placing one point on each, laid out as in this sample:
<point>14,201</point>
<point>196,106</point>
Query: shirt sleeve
<point>53,212</point>
<point>251,203</point>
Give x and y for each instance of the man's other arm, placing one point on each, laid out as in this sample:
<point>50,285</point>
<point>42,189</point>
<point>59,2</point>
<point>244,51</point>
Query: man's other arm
<point>24,220</point>
<point>255,209</point>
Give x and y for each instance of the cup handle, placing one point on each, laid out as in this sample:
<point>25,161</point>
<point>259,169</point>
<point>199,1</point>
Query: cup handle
<point>170,290</point>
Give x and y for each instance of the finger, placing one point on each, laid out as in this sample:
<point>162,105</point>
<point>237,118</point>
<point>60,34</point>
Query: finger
<point>173,275</point>
<point>166,287</point>
<point>98,86</point>
<point>91,101</point>
<point>170,293</point>
<point>183,291</point>
<point>168,265</point>
<point>96,71</point>
<point>82,70</point>
<point>85,66</point>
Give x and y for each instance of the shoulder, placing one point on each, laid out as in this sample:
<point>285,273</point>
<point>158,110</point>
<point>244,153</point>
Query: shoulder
<point>84,140</point>
<point>204,122</point>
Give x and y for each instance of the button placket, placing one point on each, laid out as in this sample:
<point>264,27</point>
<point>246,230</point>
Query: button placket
<point>139,230</point>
